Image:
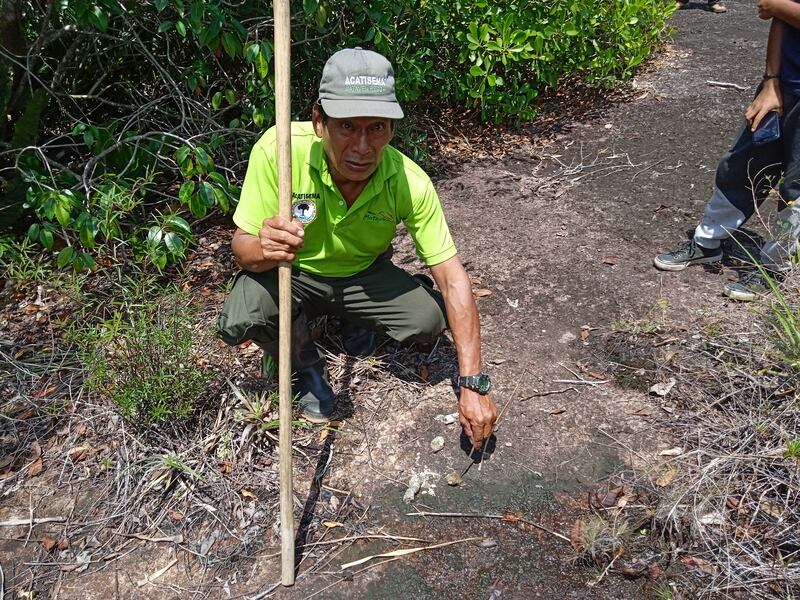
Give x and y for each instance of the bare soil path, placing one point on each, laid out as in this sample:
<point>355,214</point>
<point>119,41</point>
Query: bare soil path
<point>562,230</point>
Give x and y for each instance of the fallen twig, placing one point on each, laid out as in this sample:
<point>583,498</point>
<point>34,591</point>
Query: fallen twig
<point>18,522</point>
<point>157,574</point>
<point>726,84</point>
<point>509,518</point>
<point>406,551</point>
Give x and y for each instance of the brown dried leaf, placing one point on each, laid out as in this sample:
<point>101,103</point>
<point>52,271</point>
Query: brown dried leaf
<point>79,453</point>
<point>577,535</point>
<point>175,515</point>
<point>424,373</point>
<point>248,494</point>
<point>49,544</point>
<point>35,468</point>
<point>612,496</point>
<point>63,544</point>
<point>585,334</point>
<point>699,563</point>
<point>481,292</point>
<point>667,477</point>
<point>610,260</point>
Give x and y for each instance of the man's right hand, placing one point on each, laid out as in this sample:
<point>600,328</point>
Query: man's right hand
<point>768,99</point>
<point>281,239</point>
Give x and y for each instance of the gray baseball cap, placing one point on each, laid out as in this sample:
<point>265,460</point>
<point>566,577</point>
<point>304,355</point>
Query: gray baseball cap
<point>358,83</point>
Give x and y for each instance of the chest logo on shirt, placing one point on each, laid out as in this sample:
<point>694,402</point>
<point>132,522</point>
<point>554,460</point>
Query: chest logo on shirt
<point>304,211</point>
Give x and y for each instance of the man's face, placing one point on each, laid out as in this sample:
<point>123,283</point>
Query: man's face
<point>354,146</point>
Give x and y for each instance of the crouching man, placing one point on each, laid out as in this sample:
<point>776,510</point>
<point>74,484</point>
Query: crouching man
<point>350,189</point>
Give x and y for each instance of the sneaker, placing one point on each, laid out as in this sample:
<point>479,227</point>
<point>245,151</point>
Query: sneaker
<point>717,7</point>
<point>751,286</point>
<point>688,253</point>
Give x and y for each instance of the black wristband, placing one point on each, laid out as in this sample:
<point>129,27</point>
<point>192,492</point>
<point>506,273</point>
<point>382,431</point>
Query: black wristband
<point>768,75</point>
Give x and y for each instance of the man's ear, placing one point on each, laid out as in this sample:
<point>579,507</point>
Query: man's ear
<point>316,120</point>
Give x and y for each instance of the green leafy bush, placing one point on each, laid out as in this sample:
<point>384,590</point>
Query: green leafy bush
<point>136,118</point>
<point>142,360</point>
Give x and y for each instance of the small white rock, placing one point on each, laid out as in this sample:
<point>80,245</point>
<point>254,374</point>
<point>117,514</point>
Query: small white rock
<point>437,443</point>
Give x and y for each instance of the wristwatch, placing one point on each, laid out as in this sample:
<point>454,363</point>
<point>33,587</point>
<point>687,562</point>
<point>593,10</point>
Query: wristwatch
<point>771,75</point>
<point>479,383</point>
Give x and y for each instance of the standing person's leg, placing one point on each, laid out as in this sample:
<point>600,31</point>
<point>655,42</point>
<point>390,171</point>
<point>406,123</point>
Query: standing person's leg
<point>776,253</point>
<point>387,298</point>
<point>744,177</point>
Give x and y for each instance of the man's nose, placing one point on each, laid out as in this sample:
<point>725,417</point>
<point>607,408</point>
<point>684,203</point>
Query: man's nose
<point>362,143</point>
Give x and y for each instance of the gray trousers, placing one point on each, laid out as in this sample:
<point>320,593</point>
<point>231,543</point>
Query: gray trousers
<point>382,297</point>
<point>745,176</point>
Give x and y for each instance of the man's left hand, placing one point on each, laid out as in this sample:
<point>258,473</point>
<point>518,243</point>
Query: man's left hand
<point>477,415</point>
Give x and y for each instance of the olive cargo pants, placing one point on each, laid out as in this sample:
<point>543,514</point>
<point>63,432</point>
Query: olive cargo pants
<point>383,297</point>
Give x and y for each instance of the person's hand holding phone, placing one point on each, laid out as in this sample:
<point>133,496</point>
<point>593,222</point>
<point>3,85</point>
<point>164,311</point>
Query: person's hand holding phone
<point>768,99</point>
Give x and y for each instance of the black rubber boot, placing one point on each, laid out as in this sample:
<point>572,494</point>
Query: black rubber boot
<point>310,383</point>
<point>357,341</point>
<point>309,377</point>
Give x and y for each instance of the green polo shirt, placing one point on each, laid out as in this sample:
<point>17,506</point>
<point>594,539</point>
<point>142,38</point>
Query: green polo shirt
<point>342,241</point>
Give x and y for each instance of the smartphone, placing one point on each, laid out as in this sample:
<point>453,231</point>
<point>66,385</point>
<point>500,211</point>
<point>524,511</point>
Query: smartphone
<point>768,130</point>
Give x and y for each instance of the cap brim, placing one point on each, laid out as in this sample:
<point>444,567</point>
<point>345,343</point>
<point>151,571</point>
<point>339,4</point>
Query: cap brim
<point>351,108</point>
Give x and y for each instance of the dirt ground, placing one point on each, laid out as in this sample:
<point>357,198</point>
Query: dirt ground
<point>561,229</point>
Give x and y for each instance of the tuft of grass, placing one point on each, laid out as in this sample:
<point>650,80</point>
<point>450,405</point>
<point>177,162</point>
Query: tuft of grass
<point>141,358</point>
<point>792,449</point>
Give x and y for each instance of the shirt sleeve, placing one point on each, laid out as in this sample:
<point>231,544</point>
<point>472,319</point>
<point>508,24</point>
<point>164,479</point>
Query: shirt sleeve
<point>428,228</point>
<point>259,197</point>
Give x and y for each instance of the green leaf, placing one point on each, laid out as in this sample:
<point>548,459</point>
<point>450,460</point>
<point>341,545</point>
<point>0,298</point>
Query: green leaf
<point>180,27</point>
<point>203,159</point>
<point>206,194</point>
<point>181,154</point>
<point>33,232</point>
<point>186,191</point>
<point>197,206</point>
<point>99,19</point>
<point>252,52</point>
<point>262,66</point>
<point>87,234</point>
<point>46,238</point>
<point>63,213</point>
<point>160,5</point>
<point>230,96</point>
<point>154,235</point>
<point>178,224</point>
<point>85,261</point>
<point>174,243</point>
<point>476,71</point>
<point>217,177</point>
<point>65,256</point>
<point>222,199</point>
<point>165,26</point>
<point>216,100</point>
<point>187,168</point>
<point>231,44</point>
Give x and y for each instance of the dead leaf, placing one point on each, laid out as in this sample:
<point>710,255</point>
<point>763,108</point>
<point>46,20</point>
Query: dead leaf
<point>667,477</point>
<point>175,515</point>
<point>585,334</point>
<point>35,468</point>
<point>610,499</point>
<point>676,451</point>
<point>32,308</point>
<point>771,508</point>
<point>332,524</point>
<point>248,494</point>
<point>45,392</point>
<point>577,535</point>
<point>424,373</point>
<point>63,544</point>
<point>49,544</point>
<point>610,260</point>
<point>557,411</point>
<point>481,292</point>
<point>699,563</point>
<point>80,453</point>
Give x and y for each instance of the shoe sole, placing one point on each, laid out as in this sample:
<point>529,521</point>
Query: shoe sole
<point>316,419</point>
<point>742,296</point>
<point>663,266</point>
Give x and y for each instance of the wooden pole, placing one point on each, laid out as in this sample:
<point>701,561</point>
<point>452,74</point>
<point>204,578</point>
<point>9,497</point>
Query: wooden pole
<point>283,122</point>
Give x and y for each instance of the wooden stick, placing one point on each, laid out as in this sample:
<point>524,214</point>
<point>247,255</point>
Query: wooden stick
<point>283,122</point>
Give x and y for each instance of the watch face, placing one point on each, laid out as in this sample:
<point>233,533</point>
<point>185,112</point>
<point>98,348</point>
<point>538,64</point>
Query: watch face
<point>484,384</point>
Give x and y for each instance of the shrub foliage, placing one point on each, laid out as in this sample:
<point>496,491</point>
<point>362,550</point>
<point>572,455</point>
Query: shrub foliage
<point>127,120</point>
